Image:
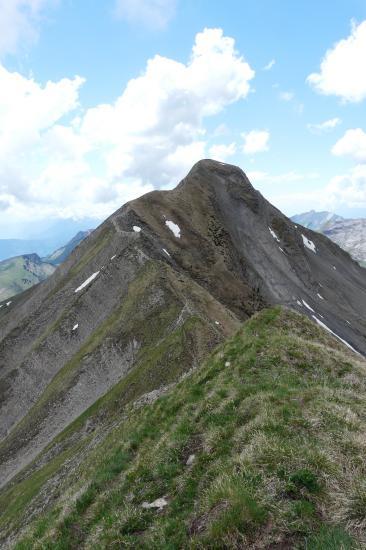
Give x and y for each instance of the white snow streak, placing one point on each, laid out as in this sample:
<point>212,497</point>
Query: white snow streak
<point>324,326</point>
<point>274,234</point>
<point>307,306</point>
<point>87,282</point>
<point>136,229</point>
<point>166,252</point>
<point>75,326</point>
<point>174,228</point>
<point>308,243</point>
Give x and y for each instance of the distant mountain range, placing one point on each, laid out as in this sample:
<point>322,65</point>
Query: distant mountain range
<point>24,271</point>
<point>350,234</point>
<point>317,221</point>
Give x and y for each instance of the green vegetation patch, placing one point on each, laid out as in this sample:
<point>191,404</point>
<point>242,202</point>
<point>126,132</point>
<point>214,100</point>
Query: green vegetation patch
<point>260,447</point>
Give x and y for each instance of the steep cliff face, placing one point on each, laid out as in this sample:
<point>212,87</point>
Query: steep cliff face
<point>150,292</point>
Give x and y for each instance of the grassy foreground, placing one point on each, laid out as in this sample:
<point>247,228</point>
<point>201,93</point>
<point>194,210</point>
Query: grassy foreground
<point>262,447</point>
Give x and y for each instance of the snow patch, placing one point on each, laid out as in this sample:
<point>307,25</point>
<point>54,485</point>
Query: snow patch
<point>320,296</point>
<point>307,306</point>
<point>274,234</point>
<point>88,281</point>
<point>324,326</point>
<point>8,303</point>
<point>299,303</point>
<point>75,326</point>
<point>227,364</point>
<point>281,250</point>
<point>334,267</point>
<point>112,258</point>
<point>136,229</point>
<point>308,243</point>
<point>348,322</point>
<point>158,503</point>
<point>166,252</point>
<point>174,228</point>
<point>217,323</point>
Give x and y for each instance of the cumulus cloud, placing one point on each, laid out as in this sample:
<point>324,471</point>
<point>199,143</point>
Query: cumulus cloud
<point>352,144</point>
<point>349,189</point>
<point>342,70</point>
<point>325,126</point>
<point>222,152</point>
<point>161,112</point>
<point>255,141</point>
<point>148,137</point>
<point>151,13</point>
<point>19,20</point>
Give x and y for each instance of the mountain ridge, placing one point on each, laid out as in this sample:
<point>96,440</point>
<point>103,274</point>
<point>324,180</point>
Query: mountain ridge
<point>150,293</point>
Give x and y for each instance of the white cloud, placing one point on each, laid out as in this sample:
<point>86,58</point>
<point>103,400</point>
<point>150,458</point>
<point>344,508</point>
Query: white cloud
<point>256,141</point>
<point>342,71</point>
<point>151,13</point>
<point>269,65</point>
<point>149,137</point>
<point>325,126</point>
<point>222,152</point>
<point>349,189</point>
<point>286,96</point>
<point>175,98</point>
<point>19,21</point>
<point>352,144</point>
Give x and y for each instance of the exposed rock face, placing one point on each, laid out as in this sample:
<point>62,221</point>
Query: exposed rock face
<point>351,236</point>
<point>151,292</point>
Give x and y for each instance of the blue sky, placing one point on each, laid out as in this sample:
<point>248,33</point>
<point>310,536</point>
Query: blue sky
<point>103,101</point>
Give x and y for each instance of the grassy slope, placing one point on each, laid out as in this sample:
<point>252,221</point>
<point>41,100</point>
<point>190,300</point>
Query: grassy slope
<point>14,277</point>
<point>275,419</point>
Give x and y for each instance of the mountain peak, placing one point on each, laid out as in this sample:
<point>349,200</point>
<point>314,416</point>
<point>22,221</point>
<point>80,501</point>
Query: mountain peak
<point>151,292</point>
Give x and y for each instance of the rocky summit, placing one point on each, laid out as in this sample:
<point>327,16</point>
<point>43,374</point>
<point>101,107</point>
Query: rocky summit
<point>138,306</point>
